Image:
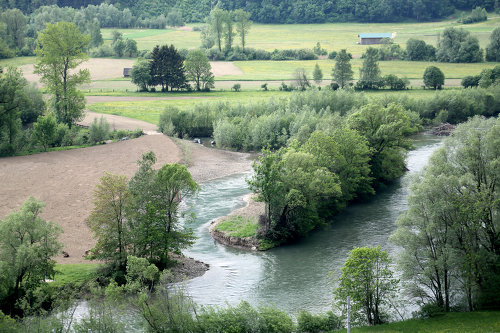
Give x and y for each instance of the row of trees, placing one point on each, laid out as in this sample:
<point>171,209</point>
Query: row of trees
<point>283,11</point>
<point>224,25</point>
<point>168,69</point>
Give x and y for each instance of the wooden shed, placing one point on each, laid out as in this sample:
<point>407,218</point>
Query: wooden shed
<point>126,72</point>
<point>374,38</point>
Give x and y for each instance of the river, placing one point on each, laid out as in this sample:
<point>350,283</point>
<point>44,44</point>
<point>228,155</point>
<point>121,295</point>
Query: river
<point>298,276</point>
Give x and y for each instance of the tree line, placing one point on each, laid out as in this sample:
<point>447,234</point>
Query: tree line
<point>283,11</point>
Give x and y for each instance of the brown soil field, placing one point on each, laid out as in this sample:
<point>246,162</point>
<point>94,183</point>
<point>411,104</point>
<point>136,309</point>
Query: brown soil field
<point>65,180</point>
<point>220,68</point>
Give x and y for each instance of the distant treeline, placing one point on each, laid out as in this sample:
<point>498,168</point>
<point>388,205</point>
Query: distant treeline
<point>281,11</point>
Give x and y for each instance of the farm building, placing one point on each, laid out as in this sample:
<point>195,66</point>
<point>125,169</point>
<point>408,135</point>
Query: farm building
<point>126,72</point>
<point>374,38</point>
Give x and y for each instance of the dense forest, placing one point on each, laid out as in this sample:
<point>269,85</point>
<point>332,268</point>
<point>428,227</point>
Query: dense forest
<point>282,11</point>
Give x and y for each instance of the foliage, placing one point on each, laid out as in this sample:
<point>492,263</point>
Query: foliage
<point>236,87</point>
<point>418,50</point>
<point>319,51</point>
<point>317,74</point>
<point>107,220</point>
<point>174,18</point>
<point>44,130</point>
<point>27,244</point>
<point>13,100</point>
<point>457,45</point>
<point>449,234</point>
<point>369,74</point>
<point>369,282</point>
<point>327,322</point>
<point>342,72</point>
<point>99,130</point>
<point>60,49</point>
<point>385,129</point>
<point>433,77</point>
<point>300,79</point>
<point>15,25</point>
<point>478,14</point>
<point>493,48</point>
<point>243,24</point>
<point>167,68</point>
<point>198,69</point>
<point>141,74</point>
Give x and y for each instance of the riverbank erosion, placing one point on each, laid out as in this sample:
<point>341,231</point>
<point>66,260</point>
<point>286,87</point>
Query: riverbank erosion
<point>252,211</point>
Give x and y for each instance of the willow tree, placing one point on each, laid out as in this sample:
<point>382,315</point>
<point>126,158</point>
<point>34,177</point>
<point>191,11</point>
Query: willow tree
<point>60,49</point>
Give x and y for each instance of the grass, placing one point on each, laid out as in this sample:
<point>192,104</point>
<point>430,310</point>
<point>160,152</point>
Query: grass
<point>150,110</point>
<point>238,226</point>
<point>332,36</point>
<point>471,322</point>
<point>76,274</point>
<point>18,61</point>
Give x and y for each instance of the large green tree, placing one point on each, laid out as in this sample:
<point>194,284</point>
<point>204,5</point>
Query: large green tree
<point>13,100</point>
<point>141,74</point>
<point>243,24</point>
<point>433,77</point>
<point>198,69</point>
<point>60,49</point>
<point>457,45</point>
<point>369,73</point>
<point>493,48</point>
<point>369,282</point>
<point>167,68</point>
<point>27,245</point>
<point>342,72</point>
<point>15,23</point>
<point>451,234</point>
<point>386,129</point>
<point>107,220</point>
<point>216,23</point>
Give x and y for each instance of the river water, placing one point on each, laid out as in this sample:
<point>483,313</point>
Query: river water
<point>298,276</point>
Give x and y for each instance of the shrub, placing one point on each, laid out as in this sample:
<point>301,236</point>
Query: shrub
<point>99,130</point>
<point>309,323</point>
<point>332,55</point>
<point>236,87</point>
<point>102,52</point>
<point>471,81</point>
<point>477,15</point>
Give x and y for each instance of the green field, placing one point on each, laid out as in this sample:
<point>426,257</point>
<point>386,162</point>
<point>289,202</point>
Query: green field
<point>470,322</point>
<point>332,36</point>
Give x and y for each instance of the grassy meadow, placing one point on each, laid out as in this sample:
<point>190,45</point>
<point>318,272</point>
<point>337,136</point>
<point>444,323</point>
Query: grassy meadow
<point>332,36</point>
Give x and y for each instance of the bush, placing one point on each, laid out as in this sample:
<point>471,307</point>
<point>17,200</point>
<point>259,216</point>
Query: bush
<point>102,51</point>
<point>99,130</point>
<point>332,55</point>
<point>395,83</point>
<point>236,87</point>
<point>319,51</point>
<point>430,310</point>
<point>471,81</point>
<point>477,15</point>
<point>309,323</point>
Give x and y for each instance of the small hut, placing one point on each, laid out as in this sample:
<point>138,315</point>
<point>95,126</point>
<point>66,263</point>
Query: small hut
<point>374,38</point>
<point>126,72</point>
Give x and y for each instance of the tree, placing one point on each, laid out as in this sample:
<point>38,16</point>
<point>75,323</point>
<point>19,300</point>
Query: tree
<point>141,74</point>
<point>116,36</point>
<point>456,45</point>
<point>198,69</point>
<point>130,49</point>
<point>27,244</point>
<point>60,49</point>
<point>229,29</point>
<point>216,23</point>
<point>243,24</point>
<point>418,50</point>
<point>174,18</point>
<point>300,79</point>
<point>369,74</point>
<point>15,24</point>
<point>493,49</point>
<point>119,47</point>
<point>368,280</point>
<point>107,220</point>
<point>386,129</point>
<point>342,72</point>
<point>450,235</point>
<point>433,77</point>
<point>12,99</point>
<point>95,35</point>
<point>167,68</point>
<point>317,74</point>
<point>44,130</point>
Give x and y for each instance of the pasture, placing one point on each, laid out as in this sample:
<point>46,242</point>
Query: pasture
<point>332,36</point>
